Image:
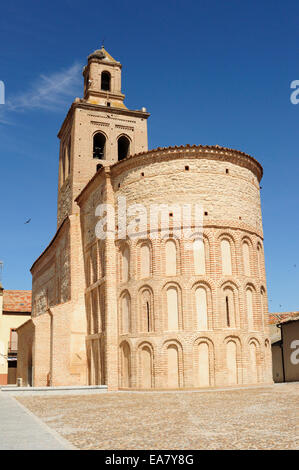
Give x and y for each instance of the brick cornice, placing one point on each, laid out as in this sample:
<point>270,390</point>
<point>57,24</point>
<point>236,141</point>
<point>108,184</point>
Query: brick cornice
<point>82,104</point>
<point>169,153</point>
<point>213,152</point>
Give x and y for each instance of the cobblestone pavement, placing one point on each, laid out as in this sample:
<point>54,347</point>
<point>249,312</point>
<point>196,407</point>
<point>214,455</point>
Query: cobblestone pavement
<point>261,418</point>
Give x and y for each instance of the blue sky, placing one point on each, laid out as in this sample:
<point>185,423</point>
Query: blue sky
<point>209,72</point>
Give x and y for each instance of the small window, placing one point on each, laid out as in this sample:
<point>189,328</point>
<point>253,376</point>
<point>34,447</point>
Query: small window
<point>227,311</point>
<point>227,171</point>
<point>226,256</point>
<point>108,104</point>
<point>187,168</point>
<point>206,213</point>
<point>148,318</point>
<point>105,81</point>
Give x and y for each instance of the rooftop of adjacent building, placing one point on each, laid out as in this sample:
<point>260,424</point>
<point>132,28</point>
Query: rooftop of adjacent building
<point>282,317</point>
<point>17,301</point>
<point>275,322</point>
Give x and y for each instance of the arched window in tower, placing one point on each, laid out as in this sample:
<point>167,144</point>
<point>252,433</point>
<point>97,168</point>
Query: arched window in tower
<point>148,317</point>
<point>170,258</point>
<point>246,258</point>
<point>125,369</point>
<point>203,365</point>
<point>231,361</point>
<point>173,366</point>
<point>260,261</point>
<point>229,307</point>
<point>226,256</point>
<point>145,261</point>
<point>264,307</point>
<point>105,81</point>
<point>146,311</point>
<point>125,264</point>
<point>99,146</point>
<point>249,305</point>
<point>199,257</point>
<point>146,367</point>
<point>253,363</point>
<point>123,146</point>
<point>125,314</point>
<point>172,309</point>
<point>201,308</point>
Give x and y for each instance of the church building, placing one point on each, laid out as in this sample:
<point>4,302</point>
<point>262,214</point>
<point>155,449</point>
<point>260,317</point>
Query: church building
<point>157,310</point>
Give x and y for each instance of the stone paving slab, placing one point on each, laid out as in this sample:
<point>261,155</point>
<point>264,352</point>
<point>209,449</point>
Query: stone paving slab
<point>22,430</point>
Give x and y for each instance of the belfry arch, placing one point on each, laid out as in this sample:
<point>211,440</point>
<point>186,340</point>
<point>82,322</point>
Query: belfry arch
<point>99,146</point>
<point>106,81</point>
<point>123,147</point>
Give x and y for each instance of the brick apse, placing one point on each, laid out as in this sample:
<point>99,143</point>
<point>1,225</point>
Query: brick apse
<point>147,311</point>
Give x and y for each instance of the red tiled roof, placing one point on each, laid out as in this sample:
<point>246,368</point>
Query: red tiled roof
<point>17,301</point>
<point>275,318</point>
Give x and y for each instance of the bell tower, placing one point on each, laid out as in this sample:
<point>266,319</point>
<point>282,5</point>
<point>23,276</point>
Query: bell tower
<point>99,130</point>
<point>102,80</point>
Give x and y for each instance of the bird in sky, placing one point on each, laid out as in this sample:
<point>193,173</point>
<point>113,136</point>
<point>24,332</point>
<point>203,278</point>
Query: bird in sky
<point>27,221</point>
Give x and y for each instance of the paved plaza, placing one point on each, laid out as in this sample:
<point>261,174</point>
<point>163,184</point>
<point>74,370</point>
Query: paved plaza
<point>252,418</point>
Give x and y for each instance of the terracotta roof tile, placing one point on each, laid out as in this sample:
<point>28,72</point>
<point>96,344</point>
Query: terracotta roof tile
<point>17,301</point>
<point>275,318</point>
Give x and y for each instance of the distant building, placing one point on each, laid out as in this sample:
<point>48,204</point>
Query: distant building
<point>284,332</point>
<point>15,309</point>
